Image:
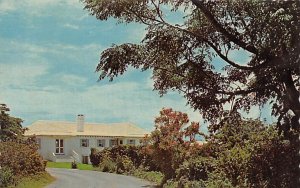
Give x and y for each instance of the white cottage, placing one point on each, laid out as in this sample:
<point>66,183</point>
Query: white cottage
<point>62,141</point>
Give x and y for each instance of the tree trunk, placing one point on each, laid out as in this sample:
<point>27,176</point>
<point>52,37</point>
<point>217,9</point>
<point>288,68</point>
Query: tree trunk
<point>292,95</point>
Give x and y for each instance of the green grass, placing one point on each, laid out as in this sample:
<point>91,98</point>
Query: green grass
<point>36,181</point>
<point>67,165</point>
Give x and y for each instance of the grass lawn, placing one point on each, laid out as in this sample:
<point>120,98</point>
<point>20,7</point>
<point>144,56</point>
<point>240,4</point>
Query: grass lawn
<point>67,165</point>
<point>36,181</point>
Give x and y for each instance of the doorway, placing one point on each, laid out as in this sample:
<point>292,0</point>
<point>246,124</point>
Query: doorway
<point>85,159</point>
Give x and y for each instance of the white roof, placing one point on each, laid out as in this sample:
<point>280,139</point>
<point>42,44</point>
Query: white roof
<point>65,128</point>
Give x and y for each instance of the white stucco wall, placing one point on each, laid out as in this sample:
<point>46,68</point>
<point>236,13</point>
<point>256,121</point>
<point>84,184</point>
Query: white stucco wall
<point>47,146</point>
<point>73,143</point>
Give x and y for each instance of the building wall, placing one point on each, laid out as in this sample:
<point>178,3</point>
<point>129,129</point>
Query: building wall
<point>47,145</point>
<point>73,143</point>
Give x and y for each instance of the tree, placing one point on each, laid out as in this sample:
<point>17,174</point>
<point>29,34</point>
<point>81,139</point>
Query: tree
<point>10,127</point>
<point>252,154</point>
<point>182,56</point>
<point>172,141</point>
<point>18,156</point>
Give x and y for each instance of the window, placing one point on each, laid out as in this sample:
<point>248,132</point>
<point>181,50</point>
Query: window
<point>113,142</point>
<point>59,146</point>
<point>101,143</point>
<point>121,142</point>
<point>84,142</point>
<point>131,142</point>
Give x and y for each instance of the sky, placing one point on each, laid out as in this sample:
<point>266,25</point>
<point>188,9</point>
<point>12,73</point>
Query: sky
<point>49,52</point>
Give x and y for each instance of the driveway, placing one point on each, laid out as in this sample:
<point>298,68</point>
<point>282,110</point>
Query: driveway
<point>72,178</point>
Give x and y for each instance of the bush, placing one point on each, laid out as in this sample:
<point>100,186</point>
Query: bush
<point>22,159</point>
<point>152,176</point>
<point>184,184</point>
<point>126,158</point>
<point>219,179</point>
<point>6,177</point>
<point>196,168</point>
<point>108,165</point>
<point>147,161</point>
<point>95,157</point>
<point>124,165</point>
<point>132,152</point>
<point>254,155</point>
<point>74,165</point>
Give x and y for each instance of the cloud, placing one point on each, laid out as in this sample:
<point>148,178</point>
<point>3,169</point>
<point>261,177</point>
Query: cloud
<point>21,74</point>
<point>23,47</point>
<point>121,101</point>
<point>71,26</point>
<point>36,7</point>
<point>70,79</point>
<point>44,76</point>
<point>75,52</point>
<point>7,6</point>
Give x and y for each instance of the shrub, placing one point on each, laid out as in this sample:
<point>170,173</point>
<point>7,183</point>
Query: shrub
<point>124,165</point>
<point>132,152</point>
<point>74,165</point>
<point>22,159</point>
<point>126,157</point>
<point>196,168</point>
<point>184,184</point>
<point>6,177</point>
<point>194,184</point>
<point>147,161</point>
<point>45,163</point>
<point>108,165</point>
<point>253,155</point>
<point>152,176</point>
<point>95,157</point>
<point>218,179</point>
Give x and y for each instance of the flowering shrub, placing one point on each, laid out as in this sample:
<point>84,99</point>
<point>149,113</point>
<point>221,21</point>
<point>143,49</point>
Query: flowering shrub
<point>124,165</point>
<point>173,141</point>
<point>22,159</point>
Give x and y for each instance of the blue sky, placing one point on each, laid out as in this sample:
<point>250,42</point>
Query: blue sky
<point>49,52</point>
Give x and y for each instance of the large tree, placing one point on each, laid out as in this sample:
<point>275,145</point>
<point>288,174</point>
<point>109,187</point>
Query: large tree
<point>183,56</point>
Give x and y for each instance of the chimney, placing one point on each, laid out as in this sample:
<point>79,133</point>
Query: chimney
<point>80,123</point>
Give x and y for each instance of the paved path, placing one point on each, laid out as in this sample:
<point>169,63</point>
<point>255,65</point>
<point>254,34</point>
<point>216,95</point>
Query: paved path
<point>70,178</point>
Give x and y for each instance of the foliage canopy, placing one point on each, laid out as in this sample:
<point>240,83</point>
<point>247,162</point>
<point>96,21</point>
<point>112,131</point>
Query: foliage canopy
<point>183,56</point>
<point>251,154</point>
<point>172,141</point>
<point>243,153</point>
<point>10,127</point>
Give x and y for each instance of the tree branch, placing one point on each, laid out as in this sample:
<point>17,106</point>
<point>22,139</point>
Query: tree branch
<point>292,95</point>
<point>219,27</point>
<point>141,18</point>
<point>226,59</point>
<point>158,11</point>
